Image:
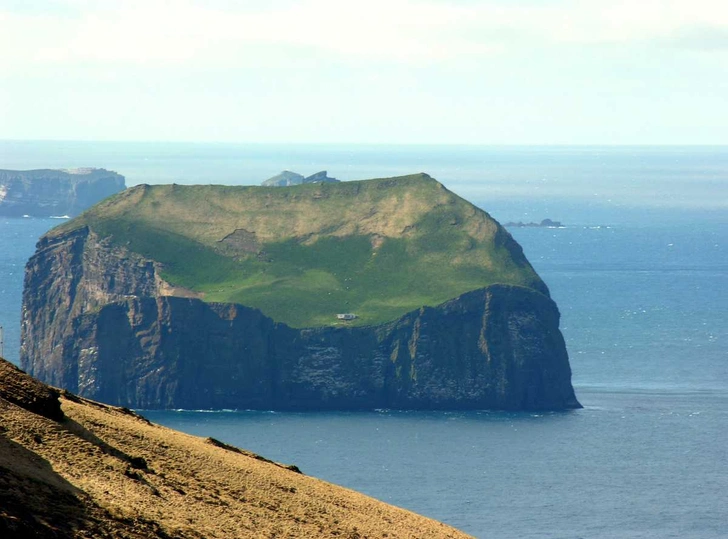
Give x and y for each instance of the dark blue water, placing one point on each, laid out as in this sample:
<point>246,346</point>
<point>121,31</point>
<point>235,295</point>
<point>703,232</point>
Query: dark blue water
<point>631,464</point>
<point>644,307</point>
<point>17,243</point>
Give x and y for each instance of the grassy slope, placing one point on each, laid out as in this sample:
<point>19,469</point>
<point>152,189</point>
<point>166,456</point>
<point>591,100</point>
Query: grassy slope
<point>377,248</point>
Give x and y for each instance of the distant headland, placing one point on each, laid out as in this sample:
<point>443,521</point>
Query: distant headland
<point>55,193</point>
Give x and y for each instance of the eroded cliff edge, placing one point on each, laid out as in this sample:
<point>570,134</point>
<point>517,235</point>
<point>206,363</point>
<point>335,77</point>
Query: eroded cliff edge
<point>108,330</point>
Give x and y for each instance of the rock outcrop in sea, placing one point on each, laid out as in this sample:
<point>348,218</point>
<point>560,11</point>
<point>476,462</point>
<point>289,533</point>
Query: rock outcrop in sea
<point>55,193</point>
<point>544,223</point>
<point>102,321</point>
<point>288,178</point>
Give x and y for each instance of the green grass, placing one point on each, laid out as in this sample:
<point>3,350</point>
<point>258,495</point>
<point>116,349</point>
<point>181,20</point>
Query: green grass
<point>186,263</point>
<point>376,248</point>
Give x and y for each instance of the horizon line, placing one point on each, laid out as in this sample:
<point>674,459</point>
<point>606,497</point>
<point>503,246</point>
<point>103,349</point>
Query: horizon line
<point>339,143</point>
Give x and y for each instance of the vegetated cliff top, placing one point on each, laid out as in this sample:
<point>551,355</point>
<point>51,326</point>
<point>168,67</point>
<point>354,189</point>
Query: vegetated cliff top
<point>70,467</point>
<point>375,248</point>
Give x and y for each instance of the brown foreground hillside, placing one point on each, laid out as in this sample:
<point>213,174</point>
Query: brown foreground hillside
<point>71,467</point>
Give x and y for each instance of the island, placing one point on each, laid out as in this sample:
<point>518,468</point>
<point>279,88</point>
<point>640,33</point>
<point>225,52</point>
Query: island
<point>71,468</point>
<point>384,293</point>
<point>55,193</point>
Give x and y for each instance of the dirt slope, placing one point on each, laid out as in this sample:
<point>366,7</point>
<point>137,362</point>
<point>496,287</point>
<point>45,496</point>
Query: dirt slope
<point>101,471</point>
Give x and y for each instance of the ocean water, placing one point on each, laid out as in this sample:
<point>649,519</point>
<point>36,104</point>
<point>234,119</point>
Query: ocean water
<point>641,278</point>
<point>17,243</point>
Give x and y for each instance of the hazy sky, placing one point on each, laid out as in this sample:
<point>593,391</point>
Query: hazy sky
<point>385,71</point>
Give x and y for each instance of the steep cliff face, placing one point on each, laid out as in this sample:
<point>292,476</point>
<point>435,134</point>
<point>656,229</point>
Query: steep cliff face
<point>69,276</point>
<point>110,333</point>
<point>46,193</point>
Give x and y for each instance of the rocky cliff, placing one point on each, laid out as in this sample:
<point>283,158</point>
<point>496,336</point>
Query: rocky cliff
<point>75,468</point>
<point>109,330</point>
<point>47,193</point>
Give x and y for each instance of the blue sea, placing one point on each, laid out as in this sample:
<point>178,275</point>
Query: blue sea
<point>640,274</point>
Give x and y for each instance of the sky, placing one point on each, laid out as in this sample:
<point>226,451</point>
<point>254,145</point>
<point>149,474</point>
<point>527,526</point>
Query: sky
<point>381,71</point>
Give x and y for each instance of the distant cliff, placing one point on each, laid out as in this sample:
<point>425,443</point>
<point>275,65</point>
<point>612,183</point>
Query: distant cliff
<point>47,193</point>
<point>105,318</point>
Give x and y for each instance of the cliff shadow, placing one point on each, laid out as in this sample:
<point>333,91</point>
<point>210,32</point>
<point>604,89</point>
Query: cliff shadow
<point>75,428</point>
<point>35,501</point>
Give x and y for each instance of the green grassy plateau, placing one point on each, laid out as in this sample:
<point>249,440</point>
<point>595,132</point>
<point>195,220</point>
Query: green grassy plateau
<point>302,254</point>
